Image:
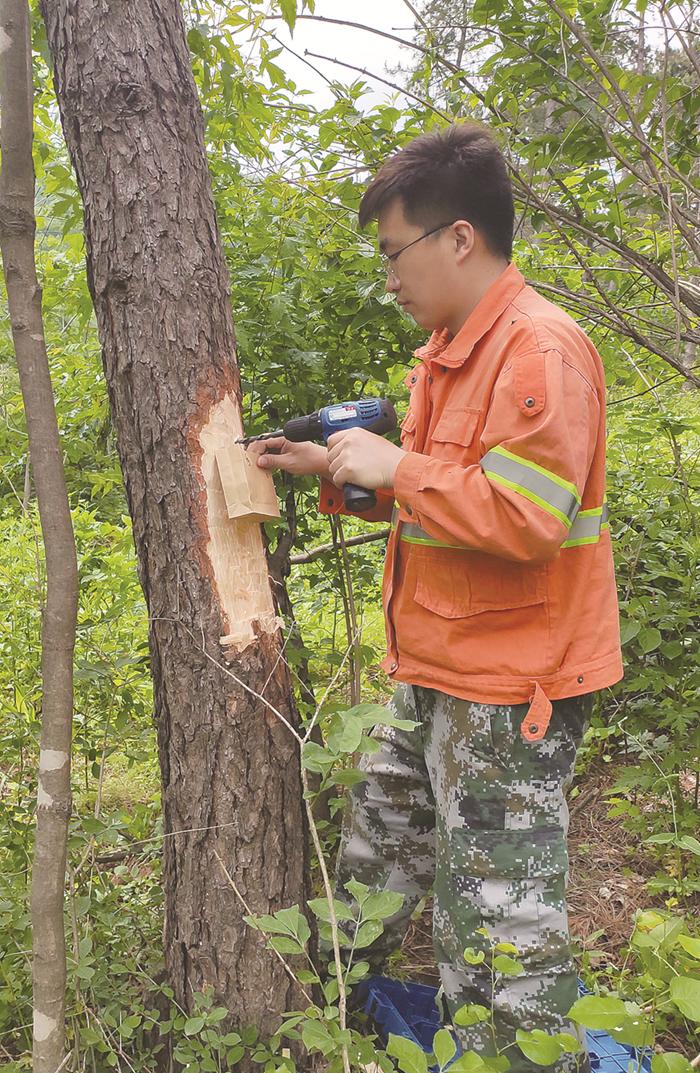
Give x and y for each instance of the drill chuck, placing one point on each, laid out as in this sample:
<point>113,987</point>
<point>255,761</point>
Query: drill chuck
<point>301,429</point>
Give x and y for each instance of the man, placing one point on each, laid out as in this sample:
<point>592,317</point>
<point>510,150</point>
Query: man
<point>499,592</point>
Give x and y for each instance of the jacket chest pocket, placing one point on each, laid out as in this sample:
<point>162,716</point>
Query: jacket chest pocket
<point>454,435</point>
<point>456,584</point>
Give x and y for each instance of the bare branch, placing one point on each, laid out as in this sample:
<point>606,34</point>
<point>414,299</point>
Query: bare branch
<point>350,542</point>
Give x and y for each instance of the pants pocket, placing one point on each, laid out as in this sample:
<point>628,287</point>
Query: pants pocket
<point>512,883</point>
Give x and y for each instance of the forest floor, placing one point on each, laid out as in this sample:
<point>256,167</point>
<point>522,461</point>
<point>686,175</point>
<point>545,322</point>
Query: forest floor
<point>609,871</point>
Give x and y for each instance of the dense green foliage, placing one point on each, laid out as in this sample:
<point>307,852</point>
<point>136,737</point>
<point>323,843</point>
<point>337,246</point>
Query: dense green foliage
<point>313,325</point>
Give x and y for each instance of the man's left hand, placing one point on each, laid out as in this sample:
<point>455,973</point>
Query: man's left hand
<point>357,456</point>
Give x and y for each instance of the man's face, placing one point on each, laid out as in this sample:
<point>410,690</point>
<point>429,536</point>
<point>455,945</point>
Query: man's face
<point>425,277</point>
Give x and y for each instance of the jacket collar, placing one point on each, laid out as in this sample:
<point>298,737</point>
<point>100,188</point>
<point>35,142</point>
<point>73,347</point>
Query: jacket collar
<point>454,351</point>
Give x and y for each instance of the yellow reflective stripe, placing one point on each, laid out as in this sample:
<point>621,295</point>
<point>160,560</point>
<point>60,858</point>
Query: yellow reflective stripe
<point>414,534</point>
<point>547,490</point>
<point>587,527</point>
<point>426,540</point>
<point>532,496</point>
<point>571,488</point>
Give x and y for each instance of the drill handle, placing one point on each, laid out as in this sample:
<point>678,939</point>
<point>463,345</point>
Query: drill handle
<point>357,499</point>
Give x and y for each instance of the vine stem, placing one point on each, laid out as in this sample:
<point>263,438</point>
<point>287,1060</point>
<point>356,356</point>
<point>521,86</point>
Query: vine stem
<point>328,890</point>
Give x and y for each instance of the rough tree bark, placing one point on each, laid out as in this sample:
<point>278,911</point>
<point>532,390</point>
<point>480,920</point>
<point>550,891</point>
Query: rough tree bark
<point>17,228</point>
<point>157,275</point>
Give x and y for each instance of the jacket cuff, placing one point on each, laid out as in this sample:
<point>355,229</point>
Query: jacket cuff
<point>407,478</point>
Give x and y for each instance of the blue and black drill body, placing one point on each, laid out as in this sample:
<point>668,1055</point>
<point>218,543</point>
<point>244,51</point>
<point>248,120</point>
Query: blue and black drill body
<point>376,415</point>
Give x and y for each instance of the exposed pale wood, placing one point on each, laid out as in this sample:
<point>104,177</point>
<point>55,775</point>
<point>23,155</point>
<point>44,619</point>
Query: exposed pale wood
<point>235,548</point>
<point>249,491</point>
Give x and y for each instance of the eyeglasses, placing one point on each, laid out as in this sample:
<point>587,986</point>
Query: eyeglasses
<point>387,260</point>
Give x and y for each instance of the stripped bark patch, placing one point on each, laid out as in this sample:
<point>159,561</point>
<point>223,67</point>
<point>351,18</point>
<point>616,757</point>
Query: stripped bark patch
<point>235,549</point>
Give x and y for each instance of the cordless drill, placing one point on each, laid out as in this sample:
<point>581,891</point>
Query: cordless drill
<point>376,415</point>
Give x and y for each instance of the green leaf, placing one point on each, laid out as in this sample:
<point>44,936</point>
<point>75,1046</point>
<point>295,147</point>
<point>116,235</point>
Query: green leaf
<point>284,944</point>
<point>193,1025</point>
<point>649,640</point>
<point>90,1037</point>
<point>506,948</point>
<point>315,758</point>
<point>359,891</point>
<point>474,957</point>
<point>410,1057</point>
<point>349,777</point>
<point>382,905</point>
<point>671,1062</point>
<point>635,1030</point>
<point>507,966</point>
<point>471,1014</point>
<point>628,629</point>
<point>569,1043</point>
<point>689,843</point>
<point>469,1062</point>
<point>288,9</point>
<point>316,1037</point>
<point>654,931</point>
<point>358,971</point>
<point>295,922</point>
<point>367,933</point>
<point>219,1013</point>
<point>345,738</point>
<point>321,909</point>
<point>594,1011</point>
<point>690,944</point>
<point>444,1047</point>
<point>685,994</point>
<point>540,1048</point>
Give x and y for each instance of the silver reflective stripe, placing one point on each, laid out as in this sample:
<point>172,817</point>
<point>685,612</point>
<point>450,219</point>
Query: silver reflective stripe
<point>587,527</point>
<point>549,491</point>
<point>414,534</point>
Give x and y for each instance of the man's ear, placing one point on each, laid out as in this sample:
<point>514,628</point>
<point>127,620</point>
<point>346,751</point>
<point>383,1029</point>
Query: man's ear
<point>465,239</point>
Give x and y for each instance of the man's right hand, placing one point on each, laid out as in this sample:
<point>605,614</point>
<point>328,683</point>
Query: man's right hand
<point>300,459</point>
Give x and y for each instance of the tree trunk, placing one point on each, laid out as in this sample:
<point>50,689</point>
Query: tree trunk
<point>17,228</point>
<point>230,771</point>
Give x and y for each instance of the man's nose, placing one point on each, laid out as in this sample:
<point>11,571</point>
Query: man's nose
<point>392,284</point>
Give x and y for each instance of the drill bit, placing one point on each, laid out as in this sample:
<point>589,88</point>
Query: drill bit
<point>245,440</point>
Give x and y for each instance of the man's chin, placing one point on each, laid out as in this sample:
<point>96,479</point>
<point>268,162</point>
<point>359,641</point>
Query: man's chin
<point>423,320</point>
<point>410,311</point>
<point>428,324</point>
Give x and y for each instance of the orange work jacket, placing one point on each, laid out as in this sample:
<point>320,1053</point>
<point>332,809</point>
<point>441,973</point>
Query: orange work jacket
<point>499,584</point>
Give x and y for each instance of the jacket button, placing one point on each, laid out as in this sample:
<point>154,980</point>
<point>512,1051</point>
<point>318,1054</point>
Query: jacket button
<point>529,401</point>
<point>394,666</point>
<point>533,728</point>
<point>580,679</point>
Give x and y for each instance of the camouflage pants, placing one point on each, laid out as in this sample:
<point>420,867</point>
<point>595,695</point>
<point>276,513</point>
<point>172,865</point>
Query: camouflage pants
<point>463,805</point>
